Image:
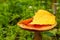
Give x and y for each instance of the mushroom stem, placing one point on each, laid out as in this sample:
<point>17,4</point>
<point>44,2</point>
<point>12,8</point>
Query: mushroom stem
<point>37,36</point>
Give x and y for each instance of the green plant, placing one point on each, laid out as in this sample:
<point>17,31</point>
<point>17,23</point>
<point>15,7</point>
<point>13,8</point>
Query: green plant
<point>11,11</point>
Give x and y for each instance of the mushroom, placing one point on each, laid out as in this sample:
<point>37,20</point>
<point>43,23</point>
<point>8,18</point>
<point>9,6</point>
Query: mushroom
<point>36,28</point>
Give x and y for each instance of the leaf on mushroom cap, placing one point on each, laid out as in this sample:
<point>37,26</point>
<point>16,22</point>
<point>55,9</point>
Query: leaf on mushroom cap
<point>43,17</point>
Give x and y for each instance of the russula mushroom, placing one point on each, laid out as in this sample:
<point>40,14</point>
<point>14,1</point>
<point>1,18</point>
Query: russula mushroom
<point>43,20</point>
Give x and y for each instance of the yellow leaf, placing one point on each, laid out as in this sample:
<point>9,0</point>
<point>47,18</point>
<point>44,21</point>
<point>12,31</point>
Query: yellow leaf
<point>43,17</point>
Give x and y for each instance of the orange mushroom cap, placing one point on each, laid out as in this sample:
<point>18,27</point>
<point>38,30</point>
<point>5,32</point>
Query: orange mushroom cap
<point>43,20</point>
<point>25,25</point>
